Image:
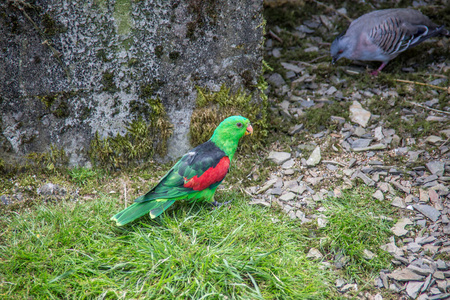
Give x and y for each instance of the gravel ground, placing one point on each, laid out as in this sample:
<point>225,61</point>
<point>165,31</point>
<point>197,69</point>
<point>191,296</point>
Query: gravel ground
<point>390,132</point>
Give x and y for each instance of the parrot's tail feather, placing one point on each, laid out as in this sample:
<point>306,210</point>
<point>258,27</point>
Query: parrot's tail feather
<point>160,209</point>
<point>137,210</point>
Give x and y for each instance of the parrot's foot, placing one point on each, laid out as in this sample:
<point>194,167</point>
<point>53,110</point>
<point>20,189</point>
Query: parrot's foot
<point>216,204</point>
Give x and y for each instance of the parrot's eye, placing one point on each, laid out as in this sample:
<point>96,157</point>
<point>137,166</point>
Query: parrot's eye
<point>239,125</point>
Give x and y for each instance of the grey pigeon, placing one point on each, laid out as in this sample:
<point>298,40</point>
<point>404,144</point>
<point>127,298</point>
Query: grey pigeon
<point>381,35</point>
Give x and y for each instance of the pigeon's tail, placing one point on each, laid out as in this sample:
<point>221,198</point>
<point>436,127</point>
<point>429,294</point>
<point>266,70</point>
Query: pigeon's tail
<point>138,209</point>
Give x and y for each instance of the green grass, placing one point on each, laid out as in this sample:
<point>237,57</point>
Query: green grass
<point>71,250</point>
<point>357,222</point>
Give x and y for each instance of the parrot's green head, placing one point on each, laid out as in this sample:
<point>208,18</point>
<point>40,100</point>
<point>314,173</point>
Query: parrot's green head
<point>227,134</point>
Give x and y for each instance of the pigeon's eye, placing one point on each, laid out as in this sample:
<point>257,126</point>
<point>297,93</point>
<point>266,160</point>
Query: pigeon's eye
<point>239,125</point>
<point>340,51</point>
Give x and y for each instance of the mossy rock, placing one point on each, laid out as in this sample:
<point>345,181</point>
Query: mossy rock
<point>214,107</point>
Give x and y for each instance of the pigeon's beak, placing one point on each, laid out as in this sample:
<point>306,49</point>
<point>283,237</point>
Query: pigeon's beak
<point>249,130</point>
<point>334,60</point>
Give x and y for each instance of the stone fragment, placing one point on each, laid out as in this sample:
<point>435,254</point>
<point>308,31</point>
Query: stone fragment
<point>378,195</point>
<point>423,195</point>
<point>378,133</point>
<point>314,253</point>
<point>361,143</point>
<point>322,222</point>
<point>299,189</point>
<point>428,211</point>
<point>314,158</point>
<point>340,282</point>
<point>367,254</point>
<point>259,202</point>
<point>359,115</point>
<point>300,215</point>
<point>401,187</point>
<point>439,275</point>
<point>399,228</point>
<point>392,249</point>
<point>436,167</point>
<point>348,287</point>
<point>288,164</point>
<point>279,157</point>
<point>432,139</point>
<point>405,275</point>
<point>276,80</point>
<point>266,186</point>
<point>367,180</point>
<point>413,247</point>
<point>419,270</point>
<point>426,284</point>
<point>288,196</point>
<point>413,288</point>
<point>398,202</point>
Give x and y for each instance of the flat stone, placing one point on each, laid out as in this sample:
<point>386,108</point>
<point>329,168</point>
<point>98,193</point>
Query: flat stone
<point>432,139</point>
<point>428,211</point>
<point>425,240</point>
<point>419,270</point>
<point>405,275</point>
<point>300,189</point>
<point>295,129</point>
<point>367,180</point>
<point>291,67</point>
<point>340,282</point>
<point>436,167</point>
<point>398,202</point>
<point>288,164</point>
<point>400,187</point>
<point>288,196</point>
<point>413,288</point>
<point>314,253</point>
<point>439,275</point>
<point>359,115</point>
<point>426,284</point>
<point>300,215</point>
<point>441,265</point>
<point>392,249</point>
<point>399,227</point>
<point>413,247</point>
<point>259,202</point>
<point>279,157</point>
<point>314,158</point>
<point>361,143</point>
<point>378,195</point>
<point>266,186</point>
<point>423,195</point>
<point>378,133</point>
<point>322,222</point>
<point>276,80</point>
<point>367,254</point>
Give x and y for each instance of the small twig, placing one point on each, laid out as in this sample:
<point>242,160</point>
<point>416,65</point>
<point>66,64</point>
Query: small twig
<point>317,58</point>
<point>274,36</point>
<point>335,10</point>
<point>332,162</point>
<point>445,142</point>
<point>429,108</point>
<point>425,84</point>
<point>125,193</point>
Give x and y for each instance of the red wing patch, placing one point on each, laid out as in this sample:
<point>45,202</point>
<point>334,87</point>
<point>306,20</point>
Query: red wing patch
<point>209,177</point>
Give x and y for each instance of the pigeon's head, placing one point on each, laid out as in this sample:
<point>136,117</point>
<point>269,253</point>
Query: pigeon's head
<point>339,47</point>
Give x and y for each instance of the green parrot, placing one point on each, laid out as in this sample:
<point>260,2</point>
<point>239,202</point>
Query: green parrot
<point>196,176</point>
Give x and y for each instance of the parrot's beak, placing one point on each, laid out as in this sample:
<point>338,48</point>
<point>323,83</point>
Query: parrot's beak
<point>249,130</point>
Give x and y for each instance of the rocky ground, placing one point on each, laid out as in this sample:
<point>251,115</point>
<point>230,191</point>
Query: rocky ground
<point>389,132</point>
<point>339,127</point>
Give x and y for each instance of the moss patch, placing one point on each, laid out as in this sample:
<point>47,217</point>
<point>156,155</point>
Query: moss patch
<point>144,139</point>
<point>214,107</point>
